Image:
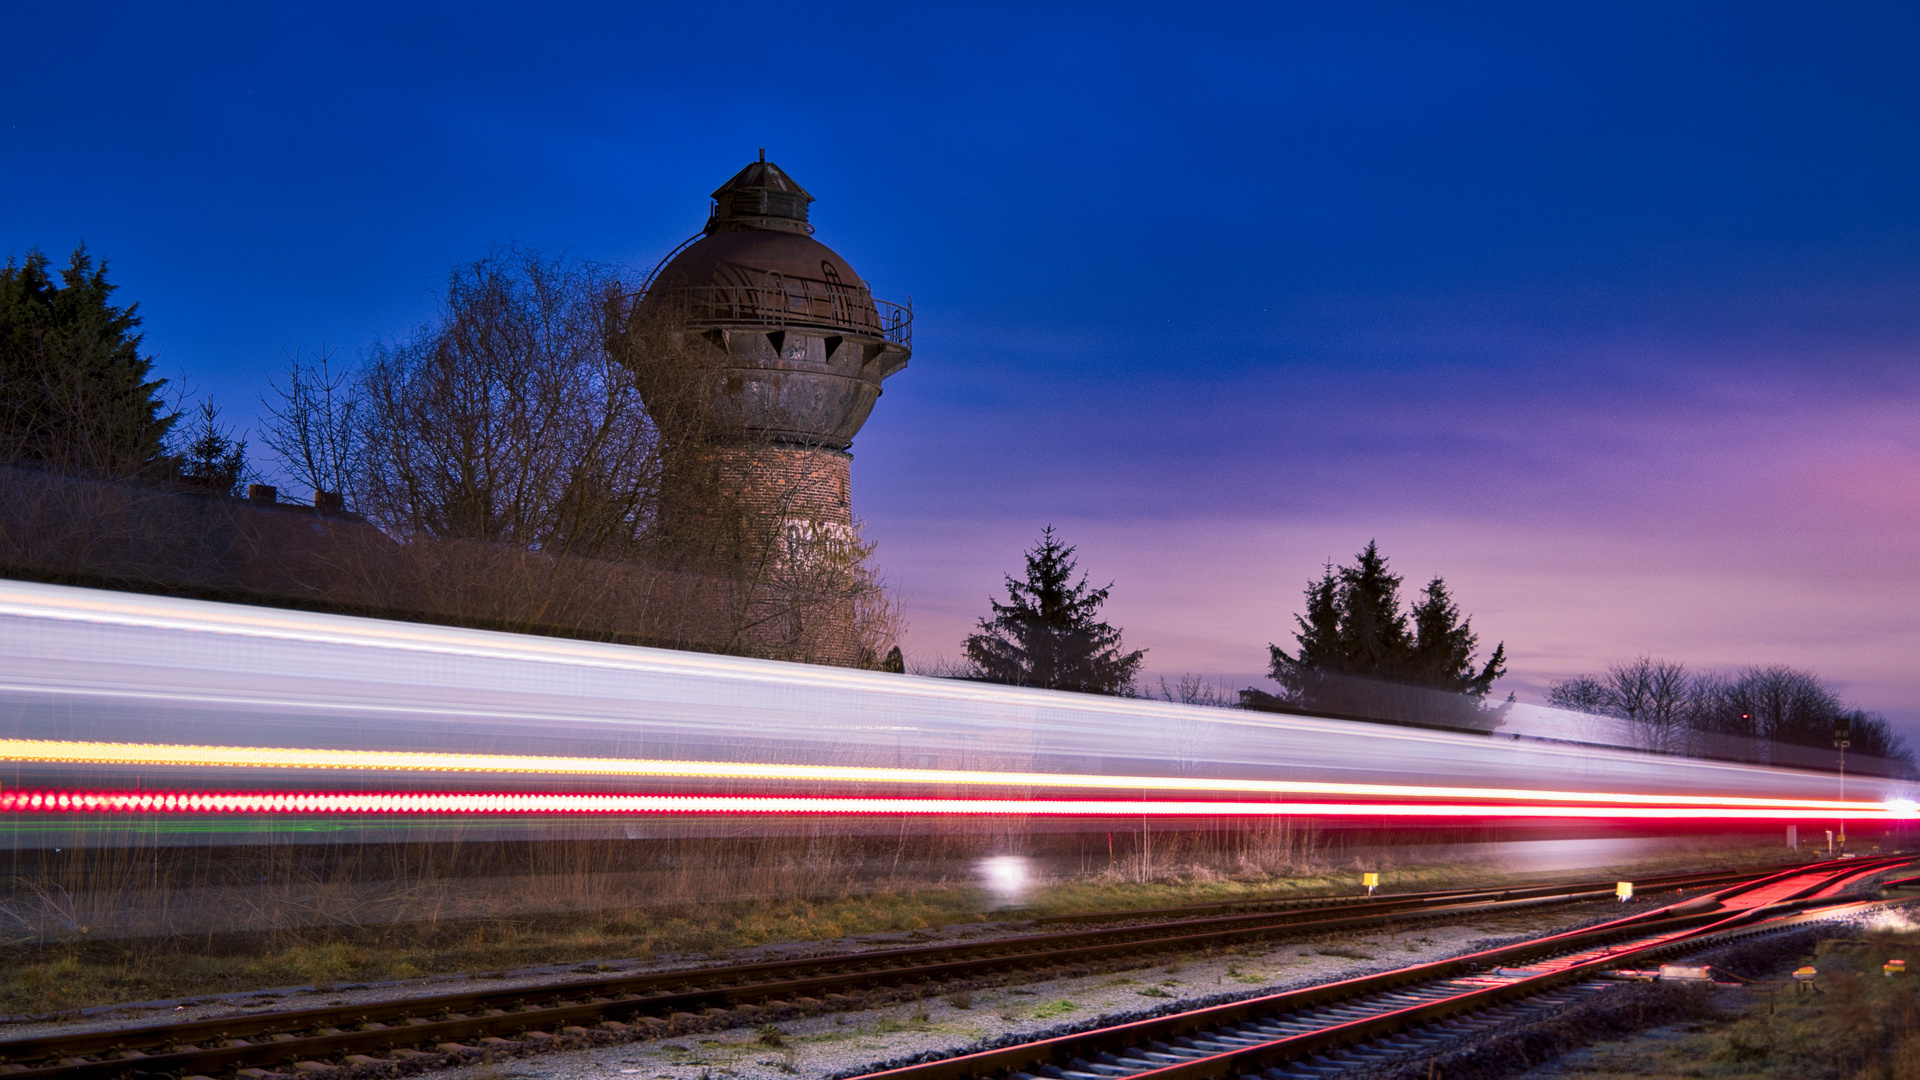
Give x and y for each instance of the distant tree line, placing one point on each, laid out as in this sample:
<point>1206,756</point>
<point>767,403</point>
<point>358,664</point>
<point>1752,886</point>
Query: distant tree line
<point>1363,652</point>
<point>1360,652</point>
<point>1763,714</point>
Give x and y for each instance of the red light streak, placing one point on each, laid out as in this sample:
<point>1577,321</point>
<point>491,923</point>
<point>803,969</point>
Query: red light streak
<point>575,803</point>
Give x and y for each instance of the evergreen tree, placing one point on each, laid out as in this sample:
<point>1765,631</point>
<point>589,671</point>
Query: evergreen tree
<point>213,461</point>
<point>1318,636</point>
<point>74,390</point>
<point>1373,638</point>
<point>1443,647</point>
<point>1049,634</point>
<point>1359,653</point>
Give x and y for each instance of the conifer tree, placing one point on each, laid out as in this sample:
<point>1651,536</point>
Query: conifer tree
<point>1360,654</point>
<point>1373,637</point>
<point>1049,634</point>
<point>74,390</point>
<point>214,461</point>
<point>1443,647</point>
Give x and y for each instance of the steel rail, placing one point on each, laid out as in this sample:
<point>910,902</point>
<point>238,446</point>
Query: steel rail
<point>282,1036</point>
<point>1655,883</point>
<point>1268,1032</point>
<point>1289,1048</point>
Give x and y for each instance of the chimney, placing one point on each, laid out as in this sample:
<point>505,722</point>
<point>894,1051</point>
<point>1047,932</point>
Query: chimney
<point>262,493</point>
<point>329,502</point>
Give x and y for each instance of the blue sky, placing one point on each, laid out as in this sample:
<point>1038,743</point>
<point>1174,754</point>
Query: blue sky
<point>1607,313</point>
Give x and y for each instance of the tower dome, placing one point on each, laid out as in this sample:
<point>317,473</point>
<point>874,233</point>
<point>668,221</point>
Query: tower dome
<point>806,345</point>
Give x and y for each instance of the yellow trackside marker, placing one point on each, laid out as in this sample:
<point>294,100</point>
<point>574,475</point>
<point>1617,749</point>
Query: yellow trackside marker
<point>1371,881</point>
<point>1623,890</point>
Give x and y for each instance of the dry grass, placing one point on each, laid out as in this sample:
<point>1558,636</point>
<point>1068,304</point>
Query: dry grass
<point>459,913</point>
<point>1862,1026</point>
<point>78,974</point>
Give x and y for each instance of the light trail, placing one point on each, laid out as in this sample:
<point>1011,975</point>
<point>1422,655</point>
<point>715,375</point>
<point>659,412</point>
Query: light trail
<point>51,751</point>
<point>497,803</point>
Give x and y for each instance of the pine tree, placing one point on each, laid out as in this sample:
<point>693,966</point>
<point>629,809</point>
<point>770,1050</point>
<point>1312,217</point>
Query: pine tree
<point>1319,638</point>
<point>1373,633</point>
<point>1443,647</point>
<point>213,461</point>
<point>74,390</point>
<point>1360,654</point>
<point>1049,634</point>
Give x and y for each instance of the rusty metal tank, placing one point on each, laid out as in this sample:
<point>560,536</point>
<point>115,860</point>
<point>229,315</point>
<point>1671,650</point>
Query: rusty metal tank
<point>806,346</point>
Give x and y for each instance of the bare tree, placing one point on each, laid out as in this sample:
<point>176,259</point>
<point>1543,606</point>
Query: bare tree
<point>316,430</point>
<point>879,622</point>
<point>507,420</point>
<point>1191,689</point>
<point>1188,740</point>
<point>1655,696</point>
<point>1787,705</point>
<point>1767,715</point>
<point>1583,694</point>
<point>1773,706</point>
<point>806,590</point>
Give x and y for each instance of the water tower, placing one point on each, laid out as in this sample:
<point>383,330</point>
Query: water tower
<point>792,349</point>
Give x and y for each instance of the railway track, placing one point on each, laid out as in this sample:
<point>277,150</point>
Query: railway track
<point>1655,883</point>
<point>449,1026</point>
<point>1328,1030</point>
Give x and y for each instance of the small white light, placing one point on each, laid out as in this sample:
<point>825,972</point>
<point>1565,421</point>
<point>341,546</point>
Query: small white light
<point>1005,876</point>
<point>1903,808</point>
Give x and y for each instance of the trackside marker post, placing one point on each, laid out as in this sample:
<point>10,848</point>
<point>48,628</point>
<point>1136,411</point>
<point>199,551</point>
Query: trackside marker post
<point>1624,890</point>
<point>1371,881</point>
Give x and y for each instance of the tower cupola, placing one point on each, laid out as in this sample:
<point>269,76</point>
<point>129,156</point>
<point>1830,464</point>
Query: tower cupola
<point>761,196</point>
